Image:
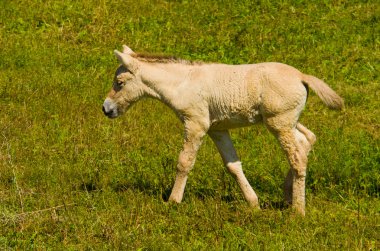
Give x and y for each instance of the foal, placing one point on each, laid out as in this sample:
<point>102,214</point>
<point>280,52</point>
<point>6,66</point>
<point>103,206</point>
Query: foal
<point>213,98</point>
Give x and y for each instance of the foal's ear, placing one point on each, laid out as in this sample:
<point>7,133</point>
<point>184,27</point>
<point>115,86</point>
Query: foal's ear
<point>129,62</point>
<point>127,50</point>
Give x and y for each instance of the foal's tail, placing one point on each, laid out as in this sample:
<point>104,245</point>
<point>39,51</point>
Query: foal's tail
<point>328,95</point>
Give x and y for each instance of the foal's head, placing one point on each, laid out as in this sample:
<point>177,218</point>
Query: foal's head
<point>127,85</point>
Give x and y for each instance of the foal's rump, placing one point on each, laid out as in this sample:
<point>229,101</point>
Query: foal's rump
<point>285,88</point>
<point>282,88</point>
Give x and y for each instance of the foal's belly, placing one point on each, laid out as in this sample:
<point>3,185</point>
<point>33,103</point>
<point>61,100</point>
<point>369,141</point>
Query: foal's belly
<point>235,121</point>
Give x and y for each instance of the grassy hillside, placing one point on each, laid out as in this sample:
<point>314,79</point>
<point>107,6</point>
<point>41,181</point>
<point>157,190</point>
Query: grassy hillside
<point>72,179</point>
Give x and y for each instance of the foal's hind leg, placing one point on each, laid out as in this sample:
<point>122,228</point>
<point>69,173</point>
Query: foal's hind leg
<point>306,139</point>
<point>226,149</point>
<point>284,129</point>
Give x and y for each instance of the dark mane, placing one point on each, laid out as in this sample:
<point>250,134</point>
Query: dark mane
<point>163,59</point>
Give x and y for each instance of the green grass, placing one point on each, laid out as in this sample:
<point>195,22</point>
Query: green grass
<point>72,179</point>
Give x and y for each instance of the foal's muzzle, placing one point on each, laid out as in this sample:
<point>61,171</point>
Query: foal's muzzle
<point>110,109</point>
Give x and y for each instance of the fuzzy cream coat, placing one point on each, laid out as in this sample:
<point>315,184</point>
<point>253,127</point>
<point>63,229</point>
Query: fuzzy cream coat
<point>213,98</point>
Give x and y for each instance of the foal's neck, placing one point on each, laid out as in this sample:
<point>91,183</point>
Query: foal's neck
<point>164,78</point>
<point>165,81</point>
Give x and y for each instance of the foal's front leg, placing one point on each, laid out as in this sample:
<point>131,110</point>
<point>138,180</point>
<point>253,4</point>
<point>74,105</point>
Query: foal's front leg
<point>226,149</point>
<point>186,160</point>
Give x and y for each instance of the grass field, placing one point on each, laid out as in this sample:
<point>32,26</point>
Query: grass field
<point>71,179</point>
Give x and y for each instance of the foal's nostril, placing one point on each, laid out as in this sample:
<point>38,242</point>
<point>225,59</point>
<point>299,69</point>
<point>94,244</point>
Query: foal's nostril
<point>106,112</point>
<point>109,113</point>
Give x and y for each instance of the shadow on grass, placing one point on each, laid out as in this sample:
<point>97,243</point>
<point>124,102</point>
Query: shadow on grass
<point>164,191</point>
<point>279,205</point>
<point>144,187</point>
<point>88,186</point>
<point>201,194</point>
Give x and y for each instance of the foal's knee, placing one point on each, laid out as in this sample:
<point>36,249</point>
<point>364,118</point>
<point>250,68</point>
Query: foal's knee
<point>185,162</point>
<point>299,172</point>
<point>235,168</point>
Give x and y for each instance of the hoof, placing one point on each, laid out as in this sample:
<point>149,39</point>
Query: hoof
<point>255,205</point>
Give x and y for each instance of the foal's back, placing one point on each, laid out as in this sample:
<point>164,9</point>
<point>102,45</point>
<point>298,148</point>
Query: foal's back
<point>244,91</point>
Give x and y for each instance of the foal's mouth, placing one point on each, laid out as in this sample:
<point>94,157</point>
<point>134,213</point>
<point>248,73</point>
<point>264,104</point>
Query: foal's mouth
<point>110,114</point>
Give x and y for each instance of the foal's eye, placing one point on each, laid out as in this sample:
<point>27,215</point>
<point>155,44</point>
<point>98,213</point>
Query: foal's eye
<point>120,83</point>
